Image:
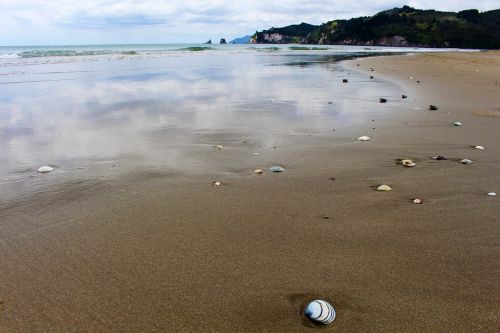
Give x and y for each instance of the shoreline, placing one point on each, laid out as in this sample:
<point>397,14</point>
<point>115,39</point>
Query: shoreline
<point>156,252</point>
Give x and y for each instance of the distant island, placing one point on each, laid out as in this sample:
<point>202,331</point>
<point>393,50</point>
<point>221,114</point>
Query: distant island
<point>403,27</point>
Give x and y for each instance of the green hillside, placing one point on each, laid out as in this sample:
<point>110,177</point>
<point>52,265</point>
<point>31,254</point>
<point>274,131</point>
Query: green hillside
<point>404,26</point>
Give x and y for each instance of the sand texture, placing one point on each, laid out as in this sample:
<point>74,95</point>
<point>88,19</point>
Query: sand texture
<point>163,251</point>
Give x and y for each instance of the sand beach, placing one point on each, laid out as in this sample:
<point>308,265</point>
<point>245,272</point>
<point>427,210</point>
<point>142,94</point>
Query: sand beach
<point>123,242</point>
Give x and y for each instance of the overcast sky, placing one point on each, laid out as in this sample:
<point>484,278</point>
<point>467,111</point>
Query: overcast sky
<point>36,22</point>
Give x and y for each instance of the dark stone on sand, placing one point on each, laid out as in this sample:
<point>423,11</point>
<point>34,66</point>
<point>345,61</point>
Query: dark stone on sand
<point>371,77</point>
<point>325,217</point>
<point>433,107</point>
<point>223,41</point>
<point>383,100</point>
<point>404,96</point>
<point>440,158</point>
<point>345,80</point>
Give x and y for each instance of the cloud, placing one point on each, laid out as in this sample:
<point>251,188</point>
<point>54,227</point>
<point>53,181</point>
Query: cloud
<point>121,19</point>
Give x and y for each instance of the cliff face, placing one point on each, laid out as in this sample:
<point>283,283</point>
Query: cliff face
<point>404,26</point>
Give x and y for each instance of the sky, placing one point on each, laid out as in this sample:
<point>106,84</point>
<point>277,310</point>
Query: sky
<point>56,22</point>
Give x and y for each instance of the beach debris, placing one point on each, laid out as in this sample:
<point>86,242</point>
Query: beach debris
<point>45,169</point>
<point>320,311</point>
<point>372,70</point>
<point>479,147</point>
<point>330,102</point>
<point>417,201</point>
<point>384,188</point>
<point>408,163</point>
<point>439,158</point>
<point>216,183</point>
<point>333,178</point>
<point>345,80</point>
<point>433,107</point>
<point>364,138</point>
<point>410,77</point>
<point>219,147</point>
<point>466,161</point>
<point>325,217</point>
<point>371,77</point>
<point>259,171</point>
<point>492,194</point>
<point>357,65</point>
<point>383,100</point>
<point>418,81</point>
<point>404,96</point>
<point>277,169</point>
<point>457,123</point>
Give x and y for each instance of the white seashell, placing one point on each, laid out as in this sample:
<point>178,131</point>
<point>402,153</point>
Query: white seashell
<point>220,147</point>
<point>45,169</point>
<point>457,123</point>
<point>320,311</point>
<point>492,194</point>
<point>411,77</point>
<point>417,201</point>
<point>408,163</point>
<point>479,147</point>
<point>217,183</point>
<point>256,153</point>
<point>277,168</point>
<point>384,188</point>
<point>466,161</point>
<point>364,138</point>
<point>259,171</point>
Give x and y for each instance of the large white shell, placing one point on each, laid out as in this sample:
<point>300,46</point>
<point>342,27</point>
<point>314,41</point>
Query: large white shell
<point>320,311</point>
<point>364,138</point>
<point>384,188</point>
<point>466,161</point>
<point>479,147</point>
<point>45,169</point>
<point>492,194</point>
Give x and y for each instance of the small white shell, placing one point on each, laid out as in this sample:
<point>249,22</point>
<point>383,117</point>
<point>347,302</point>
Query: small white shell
<point>384,188</point>
<point>492,194</point>
<point>259,171</point>
<point>466,161</point>
<point>457,123</point>
<point>220,147</point>
<point>321,312</point>
<point>479,147</point>
<point>217,183</point>
<point>408,163</point>
<point>417,201</point>
<point>277,168</point>
<point>364,138</point>
<point>45,169</point>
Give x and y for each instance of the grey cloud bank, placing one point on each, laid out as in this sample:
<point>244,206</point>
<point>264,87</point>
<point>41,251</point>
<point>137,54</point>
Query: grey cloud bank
<point>26,22</point>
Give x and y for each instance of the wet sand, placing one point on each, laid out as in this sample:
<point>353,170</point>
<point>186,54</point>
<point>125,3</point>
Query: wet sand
<point>161,250</point>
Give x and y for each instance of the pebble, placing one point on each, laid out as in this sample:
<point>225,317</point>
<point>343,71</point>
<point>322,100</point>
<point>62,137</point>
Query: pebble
<point>345,80</point>
<point>364,138</point>
<point>320,311</point>
<point>259,171</point>
<point>433,107</point>
<point>466,161</point>
<point>217,183</point>
<point>479,147</point>
<point>220,147</point>
<point>277,168</point>
<point>439,158</point>
<point>457,123</point>
<point>408,163</point>
<point>417,201</point>
<point>384,188</point>
<point>404,96</point>
<point>45,169</point>
<point>383,100</point>
<point>371,77</point>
